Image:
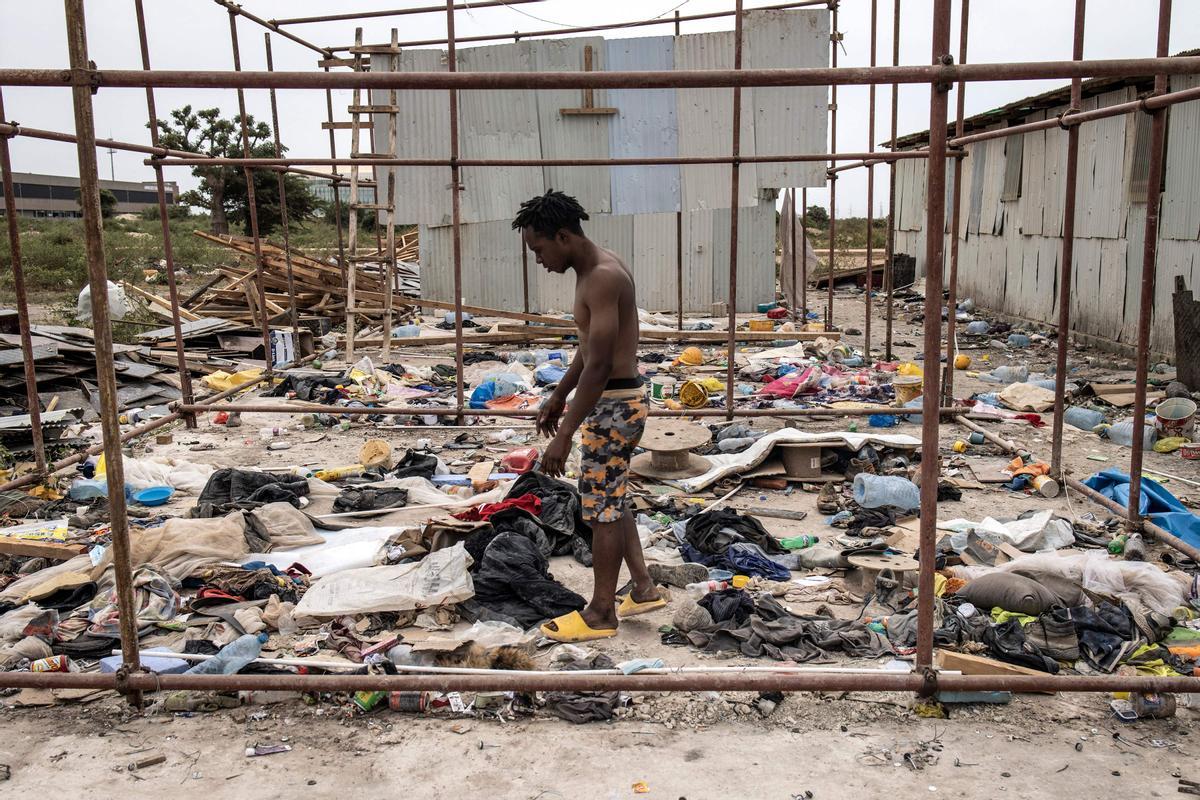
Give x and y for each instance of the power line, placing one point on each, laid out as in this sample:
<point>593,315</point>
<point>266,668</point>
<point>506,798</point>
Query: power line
<point>568,25</point>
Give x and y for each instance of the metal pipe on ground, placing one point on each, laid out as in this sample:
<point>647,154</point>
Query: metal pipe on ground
<point>446,411</point>
<point>1154,177</point>
<point>106,376</point>
<point>1066,265</point>
<point>935,220</point>
<point>18,273</point>
<point>514,680</point>
<point>185,376</point>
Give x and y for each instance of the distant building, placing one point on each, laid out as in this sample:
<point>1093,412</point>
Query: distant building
<point>322,189</point>
<point>55,195</point>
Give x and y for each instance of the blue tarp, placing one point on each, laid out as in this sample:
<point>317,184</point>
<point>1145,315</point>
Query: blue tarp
<point>1155,503</point>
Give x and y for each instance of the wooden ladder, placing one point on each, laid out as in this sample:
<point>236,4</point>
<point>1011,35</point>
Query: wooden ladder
<point>385,250</point>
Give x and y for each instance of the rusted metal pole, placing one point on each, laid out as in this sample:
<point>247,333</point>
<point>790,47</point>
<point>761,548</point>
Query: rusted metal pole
<point>600,79</point>
<point>515,680</point>
<point>677,29</point>
<point>589,28</point>
<point>935,220</point>
<point>251,201</point>
<point>1066,266</point>
<point>444,411</point>
<point>352,226</point>
<point>335,184</point>
<point>868,306</point>
<point>106,376</point>
<point>389,259</point>
<point>889,278</point>
<point>956,211</point>
<point>834,41</point>
<point>192,159</point>
<point>1158,137</point>
<point>396,12</point>
<point>455,212</point>
<point>792,223</point>
<point>283,207</point>
<point>185,375</point>
<point>803,258</point>
<point>734,193</point>
<point>679,268</point>
<point>525,274</point>
<point>235,9</point>
<point>18,273</point>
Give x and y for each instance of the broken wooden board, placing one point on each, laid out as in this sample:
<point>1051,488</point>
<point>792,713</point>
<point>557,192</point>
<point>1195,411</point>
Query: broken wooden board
<point>1122,394</point>
<point>969,664</point>
<point>54,551</point>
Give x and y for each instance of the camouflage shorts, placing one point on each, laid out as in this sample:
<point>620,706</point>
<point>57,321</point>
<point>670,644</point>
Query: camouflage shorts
<point>609,436</point>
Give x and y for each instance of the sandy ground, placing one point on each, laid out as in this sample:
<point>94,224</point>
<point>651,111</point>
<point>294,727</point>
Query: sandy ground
<point>693,746</point>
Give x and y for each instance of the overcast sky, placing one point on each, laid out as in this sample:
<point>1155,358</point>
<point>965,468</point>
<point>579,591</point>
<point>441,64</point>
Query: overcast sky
<point>194,34</point>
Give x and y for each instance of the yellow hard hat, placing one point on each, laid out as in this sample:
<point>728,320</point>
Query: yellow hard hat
<point>962,361</point>
<point>693,395</point>
<point>691,356</point>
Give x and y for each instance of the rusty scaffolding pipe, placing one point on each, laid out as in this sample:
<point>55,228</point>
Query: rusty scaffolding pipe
<point>18,273</point>
<point>251,201</point>
<point>185,377</point>
<point>792,223</point>
<point>804,258</point>
<point>598,79</point>
<point>935,220</point>
<point>456,210</point>
<point>956,212</point>
<point>515,680</point>
<point>867,304</point>
<point>1066,266</point>
<point>1154,178</point>
<point>283,208</point>
<point>734,213</point>
<point>106,376</point>
<point>834,41</point>
<point>518,35</point>
<point>888,275</point>
<point>235,10</point>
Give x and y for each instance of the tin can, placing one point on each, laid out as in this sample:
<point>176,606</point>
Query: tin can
<point>58,663</point>
<point>976,438</point>
<point>409,702</point>
<point>1190,451</point>
<point>368,700</point>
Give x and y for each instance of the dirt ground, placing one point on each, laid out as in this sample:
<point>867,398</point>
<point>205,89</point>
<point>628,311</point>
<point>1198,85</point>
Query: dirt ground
<point>689,745</point>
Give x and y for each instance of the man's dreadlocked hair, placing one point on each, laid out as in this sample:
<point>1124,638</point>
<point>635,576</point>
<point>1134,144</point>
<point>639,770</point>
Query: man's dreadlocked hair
<point>549,212</point>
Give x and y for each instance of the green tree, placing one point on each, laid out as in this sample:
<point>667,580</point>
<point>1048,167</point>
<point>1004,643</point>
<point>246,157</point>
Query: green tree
<point>222,189</point>
<point>816,216</point>
<point>108,202</point>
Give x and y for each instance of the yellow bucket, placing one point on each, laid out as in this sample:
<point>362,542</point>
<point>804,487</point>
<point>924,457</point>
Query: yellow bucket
<point>908,388</point>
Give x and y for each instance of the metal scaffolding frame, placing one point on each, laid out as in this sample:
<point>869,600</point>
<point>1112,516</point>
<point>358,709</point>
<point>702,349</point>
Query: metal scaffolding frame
<point>83,78</point>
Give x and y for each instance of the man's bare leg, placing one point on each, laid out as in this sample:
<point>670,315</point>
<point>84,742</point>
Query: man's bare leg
<point>643,589</point>
<point>608,547</point>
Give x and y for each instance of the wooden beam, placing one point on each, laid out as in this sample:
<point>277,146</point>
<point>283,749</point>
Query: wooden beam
<point>54,551</point>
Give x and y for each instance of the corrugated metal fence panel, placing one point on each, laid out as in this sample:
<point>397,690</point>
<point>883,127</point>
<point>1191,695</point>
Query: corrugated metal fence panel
<point>1175,257</point>
<point>700,232</point>
<point>1054,187</point>
<point>498,124</point>
<point>654,261</point>
<point>910,194</point>
<point>1181,200</point>
<point>788,119</point>
<point>491,253</point>
<point>423,131</point>
<point>1085,286</point>
<point>1033,182</point>
<point>1135,237</point>
<point>645,125</point>
<point>705,126</point>
<point>991,218</point>
<point>1102,171</point>
<point>573,136</point>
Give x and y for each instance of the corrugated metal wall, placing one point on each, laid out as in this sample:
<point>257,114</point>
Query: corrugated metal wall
<point>647,243</point>
<point>1010,249</point>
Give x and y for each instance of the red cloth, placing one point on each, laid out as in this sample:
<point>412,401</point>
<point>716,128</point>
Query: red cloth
<point>527,502</point>
<point>777,313</point>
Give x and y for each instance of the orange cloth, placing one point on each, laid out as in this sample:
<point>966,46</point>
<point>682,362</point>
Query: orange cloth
<point>1019,467</point>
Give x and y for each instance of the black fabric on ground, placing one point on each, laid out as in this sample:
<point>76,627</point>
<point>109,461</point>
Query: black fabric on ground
<point>518,520</point>
<point>318,388</point>
<point>415,465</point>
<point>474,357</point>
<point>1106,634</point>
<point>1007,643</point>
<point>69,599</point>
<point>581,707</point>
<point>772,631</point>
<point>560,515</point>
<point>513,578</point>
<point>231,489</point>
<point>368,499</point>
<point>867,518</point>
<point>713,531</point>
<point>728,605</point>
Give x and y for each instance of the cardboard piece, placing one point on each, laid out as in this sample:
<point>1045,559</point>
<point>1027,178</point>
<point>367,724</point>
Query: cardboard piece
<point>1122,394</point>
<point>969,664</point>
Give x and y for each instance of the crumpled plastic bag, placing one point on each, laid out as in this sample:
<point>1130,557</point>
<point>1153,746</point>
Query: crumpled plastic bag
<point>441,578</point>
<point>118,303</point>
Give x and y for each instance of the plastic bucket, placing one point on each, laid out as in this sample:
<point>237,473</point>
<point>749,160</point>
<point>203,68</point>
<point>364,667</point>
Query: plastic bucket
<point>908,387</point>
<point>762,325</point>
<point>1175,417</point>
<point>662,387</point>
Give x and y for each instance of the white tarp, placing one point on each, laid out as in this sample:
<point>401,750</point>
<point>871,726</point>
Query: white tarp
<point>438,579</point>
<point>729,463</point>
<point>1038,532</point>
<point>351,548</point>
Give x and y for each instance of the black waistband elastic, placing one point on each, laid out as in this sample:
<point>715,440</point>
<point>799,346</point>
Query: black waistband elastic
<point>624,383</point>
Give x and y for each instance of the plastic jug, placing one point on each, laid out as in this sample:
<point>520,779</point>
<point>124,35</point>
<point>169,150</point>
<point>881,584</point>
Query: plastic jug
<point>1122,434</point>
<point>878,491</point>
<point>1086,419</point>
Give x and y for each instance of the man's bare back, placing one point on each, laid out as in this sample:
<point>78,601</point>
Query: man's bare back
<point>624,356</point>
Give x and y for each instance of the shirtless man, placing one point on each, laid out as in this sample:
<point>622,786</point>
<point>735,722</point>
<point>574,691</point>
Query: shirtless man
<point>609,402</point>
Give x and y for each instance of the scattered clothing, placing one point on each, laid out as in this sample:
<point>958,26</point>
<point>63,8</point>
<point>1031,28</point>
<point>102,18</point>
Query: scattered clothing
<point>513,579</point>
<point>241,489</point>
<point>713,531</point>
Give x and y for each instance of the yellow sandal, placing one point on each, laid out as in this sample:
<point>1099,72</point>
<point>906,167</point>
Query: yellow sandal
<point>631,608</point>
<point>573,628</point>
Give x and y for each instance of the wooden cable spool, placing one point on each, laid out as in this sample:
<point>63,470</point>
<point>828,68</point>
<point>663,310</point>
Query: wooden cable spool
<point>668,444</point>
